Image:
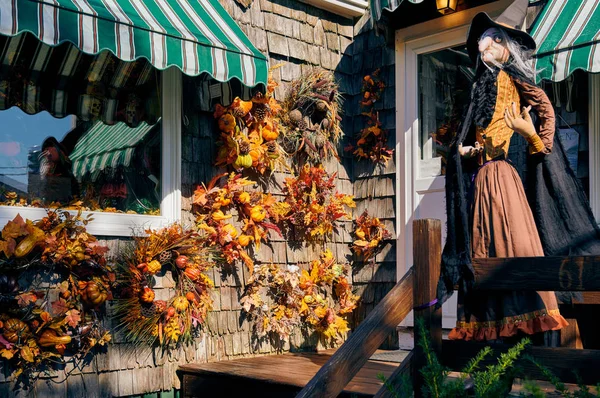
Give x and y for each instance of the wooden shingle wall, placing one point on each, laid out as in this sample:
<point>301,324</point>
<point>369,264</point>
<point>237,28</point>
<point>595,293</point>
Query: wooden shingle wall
<point>374,186</point>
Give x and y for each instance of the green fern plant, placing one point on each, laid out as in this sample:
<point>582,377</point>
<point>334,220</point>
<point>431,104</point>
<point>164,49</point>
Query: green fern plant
<point>494,381</point>
<point>583,390</point>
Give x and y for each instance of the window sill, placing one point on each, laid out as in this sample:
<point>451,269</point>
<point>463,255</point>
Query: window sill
<point>345,8</point>
<point>103,224</point>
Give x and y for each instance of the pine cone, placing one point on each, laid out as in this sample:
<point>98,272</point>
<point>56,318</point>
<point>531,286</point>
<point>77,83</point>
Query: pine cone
<point>260,111</point>
<point>271,146</point>
<point>165,256</point>
<point>298,218</point>
<point>244,147</point>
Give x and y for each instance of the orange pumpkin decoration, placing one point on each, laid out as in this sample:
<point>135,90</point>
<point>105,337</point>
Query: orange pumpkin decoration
<point>192,273</point>
<point>180,303</point>
<point>170,312</point>
<point>269,135</point>
<point>147,295</point>
<point>244,240</point>
<point>93,294</point>
<point>192,297</point>
<point>227,123</point>
<point>15,330</point>
<point>181,262</point>
<point>258,213</point>
<point>244,197</point>
<point>255,155</point>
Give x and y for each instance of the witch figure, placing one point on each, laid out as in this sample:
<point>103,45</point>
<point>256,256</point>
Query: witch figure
<point>490,213</point>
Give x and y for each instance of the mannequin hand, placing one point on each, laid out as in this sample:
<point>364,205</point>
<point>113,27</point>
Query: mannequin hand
<point>469,151</point>
<point>522,123</point>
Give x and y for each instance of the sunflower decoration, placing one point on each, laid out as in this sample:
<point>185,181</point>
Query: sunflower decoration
<point>144,317</point>
<point>249,131</point>
<point>370,234</point>
<point>311,117</point>
<point>312,204</point>
<point>372,141</point>
<point>54,280</point>
<point>216,206</point>
<point>279,299</point>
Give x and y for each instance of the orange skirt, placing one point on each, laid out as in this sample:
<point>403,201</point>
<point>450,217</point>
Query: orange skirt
<point>503,226</point>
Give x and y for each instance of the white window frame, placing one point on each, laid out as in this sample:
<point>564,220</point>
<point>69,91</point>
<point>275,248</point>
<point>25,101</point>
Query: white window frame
<point>594,150</point>
<point>119,224</point>
<point>345,8</point>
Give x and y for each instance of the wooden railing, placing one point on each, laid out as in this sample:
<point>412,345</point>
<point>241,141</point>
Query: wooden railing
<point>418,286</point>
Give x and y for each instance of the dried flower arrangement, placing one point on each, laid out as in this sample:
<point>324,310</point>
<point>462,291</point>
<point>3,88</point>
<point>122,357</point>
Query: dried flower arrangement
<point>372,143</point>
<point>144,317</point>
<point>249,132</point>
<point>13,199</point>
<point>318,299</point>
<point>54,280</point>
<point>311,117</point>
<point>215,209</point>
<point>370,235</point>
<point>312,204</point>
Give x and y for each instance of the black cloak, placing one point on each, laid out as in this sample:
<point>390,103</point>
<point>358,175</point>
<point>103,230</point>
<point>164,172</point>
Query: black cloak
<point>557,200</point>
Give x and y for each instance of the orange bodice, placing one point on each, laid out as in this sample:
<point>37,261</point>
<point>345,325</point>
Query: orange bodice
<point>495,138</point>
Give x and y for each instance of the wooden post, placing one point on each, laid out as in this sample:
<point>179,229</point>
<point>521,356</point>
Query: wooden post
<point>427,257</point>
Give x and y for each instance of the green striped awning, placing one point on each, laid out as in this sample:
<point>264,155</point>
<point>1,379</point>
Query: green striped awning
<point>567,33</point>
<point>378,6</point>
<point>195,36</point>
<point>104,146</point>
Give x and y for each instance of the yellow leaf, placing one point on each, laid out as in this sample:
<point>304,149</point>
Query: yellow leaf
<point>26,354</point>
<point>8,354</point>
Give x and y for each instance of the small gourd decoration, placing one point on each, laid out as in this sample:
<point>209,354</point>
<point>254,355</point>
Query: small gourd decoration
<point>49,338</point>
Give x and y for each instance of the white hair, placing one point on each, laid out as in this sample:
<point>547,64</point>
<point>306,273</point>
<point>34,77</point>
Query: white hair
<point>520,57</point>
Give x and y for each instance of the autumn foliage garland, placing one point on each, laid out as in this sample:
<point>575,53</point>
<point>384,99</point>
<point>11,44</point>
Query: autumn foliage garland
<point>54,280</point>
<point>312,204</point>
<point>216,207</point>
<point>372,143</point>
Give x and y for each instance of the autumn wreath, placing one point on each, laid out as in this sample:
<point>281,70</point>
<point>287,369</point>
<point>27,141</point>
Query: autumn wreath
<point>370,234</point>
<point>54,280</point>
<point>167,321</point>
<point>279,299</point>
<point>311,117</point>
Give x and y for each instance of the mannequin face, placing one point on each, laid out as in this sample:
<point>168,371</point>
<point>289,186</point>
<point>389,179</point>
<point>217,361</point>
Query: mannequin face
<point>492,47</point>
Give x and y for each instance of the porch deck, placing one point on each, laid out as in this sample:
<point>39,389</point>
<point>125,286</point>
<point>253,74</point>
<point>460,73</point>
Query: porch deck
<point>279,375</point>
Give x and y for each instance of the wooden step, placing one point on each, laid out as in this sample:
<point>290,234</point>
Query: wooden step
<point>273,376</point>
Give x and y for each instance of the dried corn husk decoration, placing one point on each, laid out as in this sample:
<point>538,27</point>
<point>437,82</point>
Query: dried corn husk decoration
<point>310,117</point>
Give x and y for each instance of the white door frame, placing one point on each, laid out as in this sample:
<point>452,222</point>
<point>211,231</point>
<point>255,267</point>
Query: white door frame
<point>444,32</point>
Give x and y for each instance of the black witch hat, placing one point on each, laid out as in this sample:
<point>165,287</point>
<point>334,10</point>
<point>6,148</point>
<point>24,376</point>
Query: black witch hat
<point>511,21</point>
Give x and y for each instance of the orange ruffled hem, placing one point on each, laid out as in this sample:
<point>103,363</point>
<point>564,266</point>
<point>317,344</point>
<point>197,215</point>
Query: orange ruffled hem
<point>538,324</point>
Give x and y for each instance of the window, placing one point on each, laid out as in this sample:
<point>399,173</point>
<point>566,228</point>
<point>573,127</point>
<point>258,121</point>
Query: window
<point>50,162</point>
<point>444,84</point>
<point>128,175</point>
